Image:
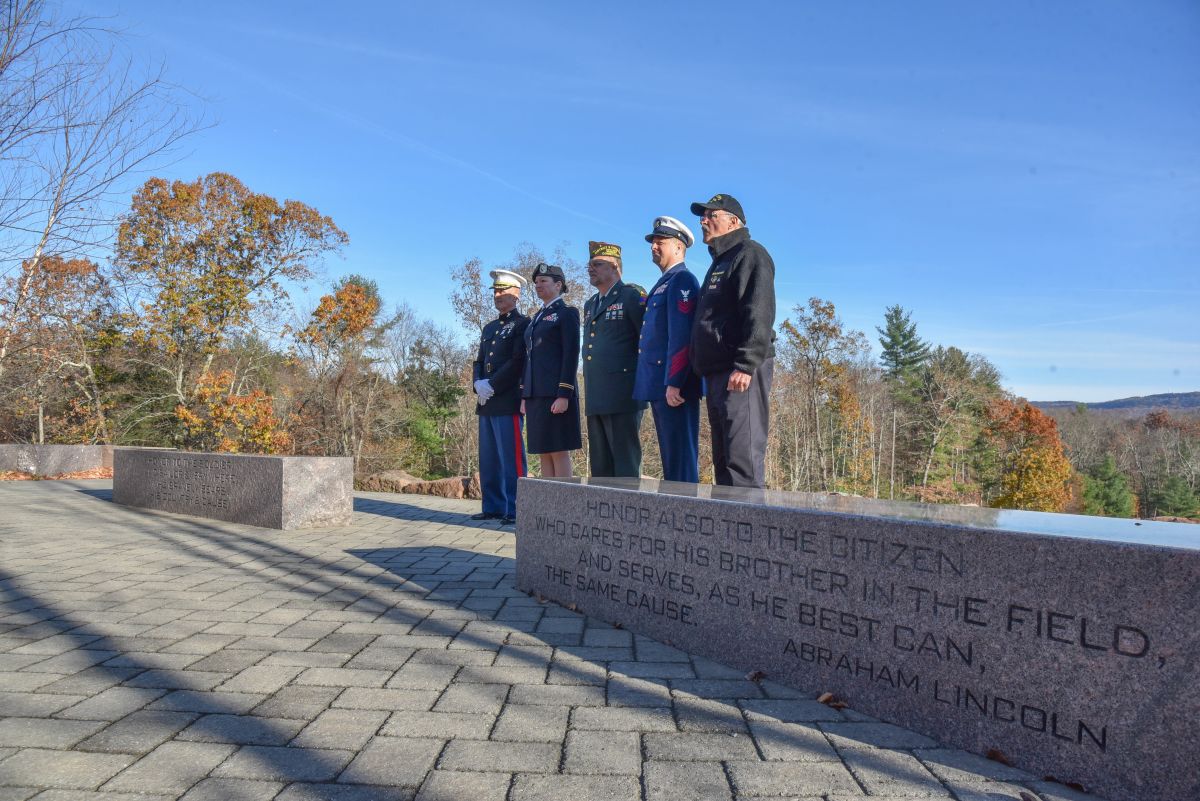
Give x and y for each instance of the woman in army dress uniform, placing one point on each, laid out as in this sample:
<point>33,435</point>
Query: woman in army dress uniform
<point>551,363</point>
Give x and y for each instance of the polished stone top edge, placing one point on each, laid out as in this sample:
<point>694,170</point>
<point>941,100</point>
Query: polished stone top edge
<point>214,454</point>
<point>1182,536</point>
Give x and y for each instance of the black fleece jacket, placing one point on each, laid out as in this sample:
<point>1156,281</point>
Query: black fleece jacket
<point>735,320</point>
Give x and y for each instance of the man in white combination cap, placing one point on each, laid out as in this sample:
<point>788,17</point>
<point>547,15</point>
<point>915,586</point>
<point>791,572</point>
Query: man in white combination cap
<point>664,372</point>
<point>497,372</point>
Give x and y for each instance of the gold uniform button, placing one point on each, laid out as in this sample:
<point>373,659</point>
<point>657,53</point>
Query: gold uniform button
<point>590,358</point>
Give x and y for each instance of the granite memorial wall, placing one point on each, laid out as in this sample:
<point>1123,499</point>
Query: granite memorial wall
<point>54,460</point>
<point>1070,644</point>
<point>285,492</point>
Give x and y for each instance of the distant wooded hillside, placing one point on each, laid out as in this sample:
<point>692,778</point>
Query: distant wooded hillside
<point>1172,401</point>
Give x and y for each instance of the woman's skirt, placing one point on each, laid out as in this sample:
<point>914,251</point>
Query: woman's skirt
<point>546,432</point>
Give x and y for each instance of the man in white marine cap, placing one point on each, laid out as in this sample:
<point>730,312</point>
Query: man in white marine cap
<point>665,376</point>
<point>497,374</point>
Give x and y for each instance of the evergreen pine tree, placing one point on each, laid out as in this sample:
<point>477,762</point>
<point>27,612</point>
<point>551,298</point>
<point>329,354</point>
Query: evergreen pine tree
<point>903,350</point>
<point>1106,492</point>
<point>1174,498</point>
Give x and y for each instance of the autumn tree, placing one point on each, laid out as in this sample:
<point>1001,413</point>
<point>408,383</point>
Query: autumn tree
<point>76,123</point>
<point>471,298</point>
<point>1034,471</point>
<point>338,407</point>
<point>1106,491</point>
<point>951,393</point>
<point>222,419</point>
<point>828,437</point>
<point>204,261</point>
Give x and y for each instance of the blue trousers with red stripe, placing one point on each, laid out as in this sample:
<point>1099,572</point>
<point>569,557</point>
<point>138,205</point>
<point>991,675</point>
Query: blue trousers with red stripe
<point>501,462</point>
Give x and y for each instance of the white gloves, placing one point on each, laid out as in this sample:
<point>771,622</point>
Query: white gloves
<point>483,388</point>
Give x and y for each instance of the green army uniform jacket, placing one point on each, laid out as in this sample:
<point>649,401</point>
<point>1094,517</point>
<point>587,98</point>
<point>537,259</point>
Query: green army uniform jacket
<point>612,325</point>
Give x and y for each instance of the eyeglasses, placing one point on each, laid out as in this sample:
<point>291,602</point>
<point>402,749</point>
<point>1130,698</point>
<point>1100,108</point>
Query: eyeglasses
<point>710,214</point>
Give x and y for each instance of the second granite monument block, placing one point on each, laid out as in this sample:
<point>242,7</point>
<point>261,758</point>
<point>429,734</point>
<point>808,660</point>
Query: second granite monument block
<point>286,492</point>
<point>1070,644</point>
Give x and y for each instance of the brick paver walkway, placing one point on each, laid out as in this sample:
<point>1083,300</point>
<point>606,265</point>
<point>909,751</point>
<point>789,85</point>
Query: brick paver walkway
<point>151,656</point>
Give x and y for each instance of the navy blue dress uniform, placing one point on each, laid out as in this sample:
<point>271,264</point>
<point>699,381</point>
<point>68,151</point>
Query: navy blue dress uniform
<point>497,372</point>
<point>551,366</point>
<point>664,360</point>
<point>612,323</point>
<point>735,330</point>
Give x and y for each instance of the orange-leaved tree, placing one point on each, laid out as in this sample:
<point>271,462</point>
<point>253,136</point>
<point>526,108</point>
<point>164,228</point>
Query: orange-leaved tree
<point>1034,471</point>
<point>222,419</point>
<point>208,260</point>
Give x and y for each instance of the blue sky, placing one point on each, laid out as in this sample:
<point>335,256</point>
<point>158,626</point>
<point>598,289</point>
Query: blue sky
<point>1023,176</point>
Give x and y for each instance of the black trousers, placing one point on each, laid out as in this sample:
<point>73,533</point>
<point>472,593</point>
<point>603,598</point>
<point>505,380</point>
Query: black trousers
<point>739,422</point>
<point>614,445</point>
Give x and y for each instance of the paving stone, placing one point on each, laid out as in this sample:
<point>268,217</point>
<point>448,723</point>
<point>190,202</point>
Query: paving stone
<point>792,742</point>
<point>232,790</point>
<point>875,735</point>
<point>226,661</point>
<point>954,765</point>
<point>373,658</point>
<point>448,785</point>
<point>423,676</point>
<point>606,752</point>
<point>653,670</point>
<point>178,679</point>
<point>531,787</point>
<point>557,695</point>
<point>454,725</point>
<point>112,704</point>
<point>791,711</point>
<point>393,761</point>
<point>696,714</point>
<point>577,672</point>
<point>884,772</point>
<point>509,674</point>
<point>623,691</point>
<point>138,732</point>
<point>390,700</point>
<point>340,728</point>
<point>343,677</point>
<point>267,763</point>
<point>712,689</point>
<point>37,767</point>
<point>474,698</point>
<point>84,795</point>
<point>607,718</point>
<point>207,702</point>
<point>698,746</point>
<point>685,781</point>
<point>532,724</point>
<point>752,779</point>
<point>459,658</point>
<point>44,732</point>
<point>85,682</point>
<point>504,757</point>
<point>35,705</point>
<point>301,703</point>
<point>264,679</point>
<point>344,792</point>
<point>241,729</point>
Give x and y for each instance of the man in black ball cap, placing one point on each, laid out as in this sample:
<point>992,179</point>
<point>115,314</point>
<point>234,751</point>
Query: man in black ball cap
<point>733,342</point>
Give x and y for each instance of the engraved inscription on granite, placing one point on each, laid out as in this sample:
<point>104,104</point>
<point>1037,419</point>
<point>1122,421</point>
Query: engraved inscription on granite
<point>1070,644</point>
<point>284,492</point>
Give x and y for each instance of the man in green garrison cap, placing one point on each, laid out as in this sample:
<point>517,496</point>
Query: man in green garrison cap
<point>612,324</point>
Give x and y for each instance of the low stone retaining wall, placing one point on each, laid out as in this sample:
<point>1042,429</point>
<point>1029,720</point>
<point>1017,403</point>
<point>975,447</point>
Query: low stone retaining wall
<point>54,460</point>
<point>1070,644</point>
<point>285,492</point>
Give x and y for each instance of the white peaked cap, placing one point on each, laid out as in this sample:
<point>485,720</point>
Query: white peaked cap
<point>503,279</point>
<point>669,226</point>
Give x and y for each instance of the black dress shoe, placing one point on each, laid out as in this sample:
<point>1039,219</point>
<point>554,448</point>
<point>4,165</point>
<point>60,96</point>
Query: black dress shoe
<point>508,521</point>
<point>486,516</point>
